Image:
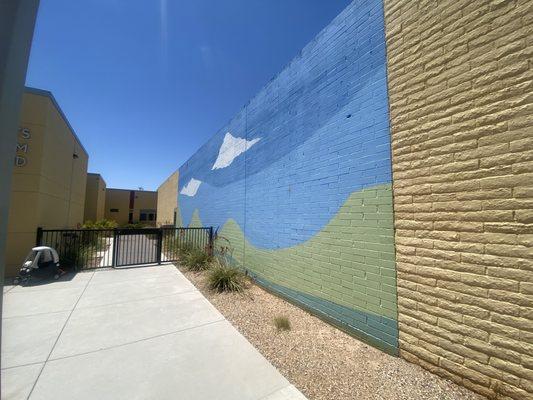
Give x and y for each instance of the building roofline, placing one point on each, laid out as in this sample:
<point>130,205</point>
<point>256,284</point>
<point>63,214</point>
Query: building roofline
<point>47,93</point>
<point>97,174</point>
<point>133,190</point>
<point>168,178</point>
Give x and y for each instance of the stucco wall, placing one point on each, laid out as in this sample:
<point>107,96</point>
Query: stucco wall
<point>167,200</point>
<point>48,188</point>
<point>460,80</point>
<point>100,200</point>
<point>299,181</point>
<point>94,198</point>
<point>117,199</point>
<point>63,175</point>
<point>120,199</point>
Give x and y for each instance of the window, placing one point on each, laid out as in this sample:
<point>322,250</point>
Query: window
<point>113,210</point>
<point>147,214</point>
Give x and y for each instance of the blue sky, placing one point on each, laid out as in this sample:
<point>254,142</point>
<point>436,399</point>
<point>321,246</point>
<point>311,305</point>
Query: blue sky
<point>146,82</point>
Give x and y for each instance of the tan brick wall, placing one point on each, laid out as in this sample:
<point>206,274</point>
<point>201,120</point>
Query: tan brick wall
<point>461,101</point>
<point>167,200</point>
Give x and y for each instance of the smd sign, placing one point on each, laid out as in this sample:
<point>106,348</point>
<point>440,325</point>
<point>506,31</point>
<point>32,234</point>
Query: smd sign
<point>22,147</point>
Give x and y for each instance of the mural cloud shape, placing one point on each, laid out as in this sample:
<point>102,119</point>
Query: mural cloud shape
<point>191,188</point>
<point>231,148</point>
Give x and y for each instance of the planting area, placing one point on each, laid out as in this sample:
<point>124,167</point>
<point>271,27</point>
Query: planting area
<point>323,362</point>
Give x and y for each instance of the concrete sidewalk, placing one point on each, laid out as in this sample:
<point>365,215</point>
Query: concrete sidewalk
<point>142,333</point>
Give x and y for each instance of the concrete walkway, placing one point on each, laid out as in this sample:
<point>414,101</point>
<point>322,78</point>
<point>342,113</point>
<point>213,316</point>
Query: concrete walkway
<point>142,333</point>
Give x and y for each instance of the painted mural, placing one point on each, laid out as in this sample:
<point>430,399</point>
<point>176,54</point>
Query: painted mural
<point>299,181</point>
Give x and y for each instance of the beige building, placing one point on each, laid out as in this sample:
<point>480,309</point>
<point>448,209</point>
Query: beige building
<point>131,206</point>
<point>167,201</point>
<point>49,177</point>
<point>95,193</point>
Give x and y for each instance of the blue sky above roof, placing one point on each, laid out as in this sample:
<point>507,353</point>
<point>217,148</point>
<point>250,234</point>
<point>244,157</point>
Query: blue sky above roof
<point>145,84</point>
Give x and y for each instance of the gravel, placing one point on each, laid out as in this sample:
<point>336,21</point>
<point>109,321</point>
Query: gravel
<point>323,362</point>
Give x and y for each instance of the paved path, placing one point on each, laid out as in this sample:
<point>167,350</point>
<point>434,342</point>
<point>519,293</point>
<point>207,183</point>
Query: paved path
<point>136,249</point>
<point>142,333</point>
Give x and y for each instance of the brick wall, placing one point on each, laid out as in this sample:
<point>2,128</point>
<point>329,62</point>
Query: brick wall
<point>460,87</point>
<point>167,201</point>
<point>299,181</point>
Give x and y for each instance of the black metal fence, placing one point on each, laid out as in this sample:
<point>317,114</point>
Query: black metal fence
<point>100,248</point>
<point>177,240</point>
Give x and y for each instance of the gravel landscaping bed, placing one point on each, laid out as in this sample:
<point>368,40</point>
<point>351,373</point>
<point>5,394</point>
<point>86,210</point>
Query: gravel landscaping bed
<point>323,362</point>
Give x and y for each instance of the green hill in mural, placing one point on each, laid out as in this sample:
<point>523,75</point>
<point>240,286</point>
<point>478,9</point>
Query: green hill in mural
<point>347,270</point>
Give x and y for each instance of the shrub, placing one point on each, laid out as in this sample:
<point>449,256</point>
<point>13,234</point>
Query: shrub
<point>102,224</point>
<point>136,225</point>
<point>79,256</point>
<point>170,247</point>
<point>184,249</point>
<point>225,279</point>
<point>170,243</point>
<point>88,224</point>
<point>177,248</point>
<point>197,260</point>
<point>282,323</point>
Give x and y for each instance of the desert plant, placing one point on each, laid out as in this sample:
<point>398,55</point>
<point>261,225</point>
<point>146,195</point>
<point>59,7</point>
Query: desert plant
<point>225,279</point>
<point>170,246</point>
<point>282,323</point>
<point>222,249</point>
<point>197,260</point>
<point>184,248</point>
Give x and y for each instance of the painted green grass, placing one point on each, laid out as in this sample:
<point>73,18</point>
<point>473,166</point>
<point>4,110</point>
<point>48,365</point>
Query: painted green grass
<point>350,262</point>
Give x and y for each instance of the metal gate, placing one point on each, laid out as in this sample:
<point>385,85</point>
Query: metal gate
<point>121,247</point>
<point>137,246</point>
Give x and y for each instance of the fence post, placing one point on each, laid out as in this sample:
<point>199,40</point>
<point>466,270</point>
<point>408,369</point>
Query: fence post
<point>159,245</point>
<point>211,241</point>
<point>39,237</point>
<point>114,256</point>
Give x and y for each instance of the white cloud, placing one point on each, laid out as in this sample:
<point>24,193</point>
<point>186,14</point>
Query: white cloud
<point>231,148</point>
<point>191,188</point>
